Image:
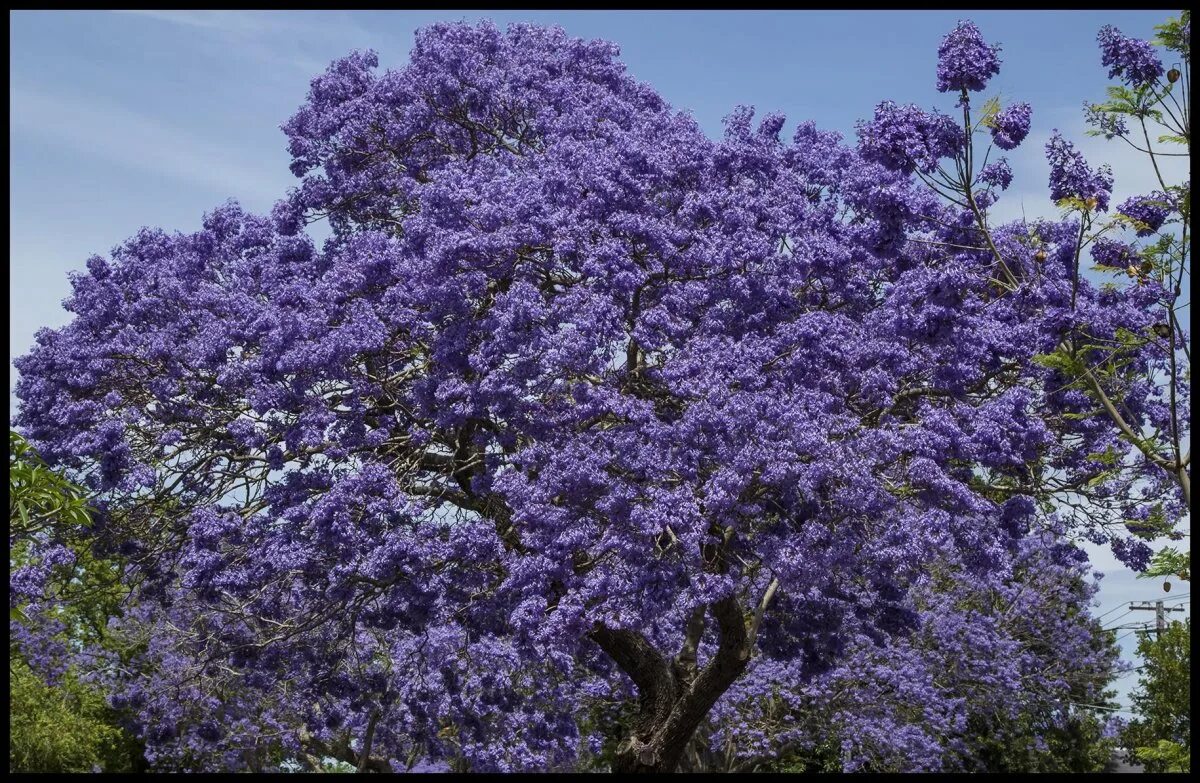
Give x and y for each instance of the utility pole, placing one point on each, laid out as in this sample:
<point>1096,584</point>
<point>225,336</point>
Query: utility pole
<point>1160,610</point>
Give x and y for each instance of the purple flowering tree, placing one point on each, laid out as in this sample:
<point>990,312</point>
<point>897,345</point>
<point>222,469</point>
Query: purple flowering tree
<point>576,407</point>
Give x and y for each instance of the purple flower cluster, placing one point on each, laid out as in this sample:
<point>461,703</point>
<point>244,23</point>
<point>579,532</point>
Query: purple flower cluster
<point>1113,253</point>
<point>1149,211</point>
<point>1011,125</point>
<point>905,138</point>
<point>1070,176</point>
<point>1132,60</point>
<point>968,662</point>
<point>965,60</point>
<point>1133,552</point>
<point>998,174</point>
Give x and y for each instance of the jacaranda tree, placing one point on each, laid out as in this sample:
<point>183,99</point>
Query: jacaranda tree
<point>578,416</point>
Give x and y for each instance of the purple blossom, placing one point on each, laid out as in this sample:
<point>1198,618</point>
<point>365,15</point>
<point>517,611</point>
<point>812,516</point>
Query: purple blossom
<point>566,372</point>
<point>906,138</point>
<point>997,174</point>
<point>1010,125</point>
<point>965,60</point>
<point>1070,176</point>
<point>1132,552</point>
<point>1113,253</point>
<point>1132,60</point>
<point>1150,211</point>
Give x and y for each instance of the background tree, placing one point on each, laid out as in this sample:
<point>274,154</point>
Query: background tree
<point>59,721</point>
<point>1161,736</point>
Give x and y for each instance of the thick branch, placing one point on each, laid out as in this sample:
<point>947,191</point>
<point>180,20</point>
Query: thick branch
<point>368,739</point>
<point>636,656</point>
<point>685,661</point>
<point>758,613</point>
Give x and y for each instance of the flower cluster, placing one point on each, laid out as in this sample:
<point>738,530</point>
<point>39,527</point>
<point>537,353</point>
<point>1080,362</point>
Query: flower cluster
<point>905,138</point>
<point>964,670</point>
<point>570,390</point>
<point>1132,60</point>
<point>998,174</point>
<point>1070,176</point>
<point>1150,211</point>
<point>1113,253</point>
<point>1011,125</point>
<point>1109,123</point>
<point>965,60</point>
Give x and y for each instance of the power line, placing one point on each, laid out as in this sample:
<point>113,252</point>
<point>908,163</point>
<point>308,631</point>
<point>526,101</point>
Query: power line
<point>1101,707</point>
<point>1110,611</point>
<point>1145,629</point>
<point>1134,670</point>
<point>1118,617</point>
<point>1173,599</point>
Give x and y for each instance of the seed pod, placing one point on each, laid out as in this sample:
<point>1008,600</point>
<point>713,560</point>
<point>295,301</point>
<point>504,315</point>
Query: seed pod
<point>1162,330</point>
<point>1131,270</point>
<point>1039,256</point>
<point>1166,587</point>
<point>1091,203</point>
<point>1147,267</point>
<point>1173,75</point>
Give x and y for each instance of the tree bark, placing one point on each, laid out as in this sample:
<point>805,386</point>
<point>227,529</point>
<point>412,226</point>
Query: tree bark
<point>672,704</point>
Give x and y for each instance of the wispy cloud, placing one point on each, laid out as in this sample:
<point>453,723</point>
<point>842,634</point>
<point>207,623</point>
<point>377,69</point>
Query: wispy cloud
<point>287,38</point>
<point>131,139</point>
<point>243,22</point>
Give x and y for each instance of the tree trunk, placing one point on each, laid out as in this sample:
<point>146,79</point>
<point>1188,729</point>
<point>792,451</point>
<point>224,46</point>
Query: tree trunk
<point>674,698</point>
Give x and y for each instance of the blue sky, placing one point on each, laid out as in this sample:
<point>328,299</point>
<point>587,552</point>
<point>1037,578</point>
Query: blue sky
<point>127,119</point>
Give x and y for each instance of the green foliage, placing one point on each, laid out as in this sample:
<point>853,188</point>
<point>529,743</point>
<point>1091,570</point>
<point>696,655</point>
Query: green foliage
<point>1169,562</point>
<point>66,726</point>
<point>39,498</point>
<point>63,728</point>
<point>1060,360</point>
<point>1163,701</point>
<point>988,112</point>
<point>825,757</point>
<point>1038,743</point>
<point>1167,756</point>
<point>1172,34</point>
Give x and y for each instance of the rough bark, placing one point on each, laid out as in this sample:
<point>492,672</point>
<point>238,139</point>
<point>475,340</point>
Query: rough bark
<point>672,704</point>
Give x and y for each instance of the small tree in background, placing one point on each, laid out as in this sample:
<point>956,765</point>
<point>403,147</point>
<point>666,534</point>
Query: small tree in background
<point>1161,736</point>
<point>58,720</point>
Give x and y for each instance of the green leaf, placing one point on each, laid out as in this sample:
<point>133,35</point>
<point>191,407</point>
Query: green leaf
<point>1059,360</point>
<point>1119,93</point>
<point>1107,457</point>
<point>1101,478</point>
<point>988,112</point>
